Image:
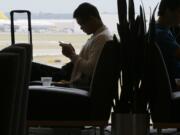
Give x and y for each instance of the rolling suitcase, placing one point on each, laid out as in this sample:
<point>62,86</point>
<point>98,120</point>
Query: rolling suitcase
<point>13,27</point>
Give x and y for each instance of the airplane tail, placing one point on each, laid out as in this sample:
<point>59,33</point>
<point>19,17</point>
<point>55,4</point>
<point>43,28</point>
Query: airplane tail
<point>3,16</point>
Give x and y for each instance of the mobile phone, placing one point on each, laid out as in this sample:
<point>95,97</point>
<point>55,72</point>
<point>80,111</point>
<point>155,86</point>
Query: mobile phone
<point>62,43</point>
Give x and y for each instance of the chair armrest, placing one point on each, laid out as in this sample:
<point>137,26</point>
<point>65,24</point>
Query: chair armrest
<point>57,96</point>
<point>53,103</point>
<point>64,90</point>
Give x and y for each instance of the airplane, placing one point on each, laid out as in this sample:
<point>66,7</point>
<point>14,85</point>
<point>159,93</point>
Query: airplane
<point>51,25</point>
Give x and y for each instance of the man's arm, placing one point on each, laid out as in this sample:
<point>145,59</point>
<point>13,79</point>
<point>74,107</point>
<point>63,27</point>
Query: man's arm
<point>87,65</point>
<point>68,50</point>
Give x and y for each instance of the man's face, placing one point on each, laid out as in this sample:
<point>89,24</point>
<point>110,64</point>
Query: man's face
<point>85,25</point>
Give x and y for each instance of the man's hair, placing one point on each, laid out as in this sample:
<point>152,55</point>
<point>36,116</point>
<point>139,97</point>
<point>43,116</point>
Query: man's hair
<point>86,10</point>
<point>168,4</point>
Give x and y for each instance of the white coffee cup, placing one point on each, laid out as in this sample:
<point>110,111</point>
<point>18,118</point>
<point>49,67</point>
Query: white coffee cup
<point>46,81</point>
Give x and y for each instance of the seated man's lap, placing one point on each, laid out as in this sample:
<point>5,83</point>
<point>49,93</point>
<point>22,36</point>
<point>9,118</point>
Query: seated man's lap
<point>41,70</point>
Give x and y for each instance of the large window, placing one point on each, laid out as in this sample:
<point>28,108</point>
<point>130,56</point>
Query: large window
<point>52,22</point>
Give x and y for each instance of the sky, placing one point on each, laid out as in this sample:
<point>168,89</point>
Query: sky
<point>67,6</point>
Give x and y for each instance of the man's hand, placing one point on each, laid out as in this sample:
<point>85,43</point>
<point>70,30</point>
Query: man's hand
<point>67,50</point>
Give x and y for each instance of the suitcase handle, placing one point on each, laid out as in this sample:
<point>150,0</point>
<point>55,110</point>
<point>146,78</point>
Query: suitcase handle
<point>12,24</point>
<point>20,11</point>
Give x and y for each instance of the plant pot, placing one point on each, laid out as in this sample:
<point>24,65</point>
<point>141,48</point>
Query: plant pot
<point>140,124</point>
<point>130,124</point>
<point>122,124</point>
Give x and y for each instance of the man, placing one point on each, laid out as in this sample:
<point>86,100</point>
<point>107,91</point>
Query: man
<point>169,16</point>
<point>89,20</point>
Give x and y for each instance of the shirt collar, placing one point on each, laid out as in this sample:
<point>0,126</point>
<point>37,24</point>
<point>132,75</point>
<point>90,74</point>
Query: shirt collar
<point>102,28</point>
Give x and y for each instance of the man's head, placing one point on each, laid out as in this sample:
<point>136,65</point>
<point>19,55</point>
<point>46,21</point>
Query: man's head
<point>87,17</point>
<point>170,9</point>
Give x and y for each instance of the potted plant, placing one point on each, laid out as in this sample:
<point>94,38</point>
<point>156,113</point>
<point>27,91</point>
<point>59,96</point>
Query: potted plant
<point>130,107</point>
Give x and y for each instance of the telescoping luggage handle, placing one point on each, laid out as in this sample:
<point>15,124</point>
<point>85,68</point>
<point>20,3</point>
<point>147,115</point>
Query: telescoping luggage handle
<point>12,24</point>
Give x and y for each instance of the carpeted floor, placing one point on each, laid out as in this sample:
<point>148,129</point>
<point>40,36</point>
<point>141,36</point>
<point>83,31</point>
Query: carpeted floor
<point>67,131</point>
<point>87,131</point>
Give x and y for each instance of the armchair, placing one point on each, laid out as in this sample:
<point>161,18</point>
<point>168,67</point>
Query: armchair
<point>60,106</point>
<point>163,102</point>
<point>20,93</point>
<point>15,112</point>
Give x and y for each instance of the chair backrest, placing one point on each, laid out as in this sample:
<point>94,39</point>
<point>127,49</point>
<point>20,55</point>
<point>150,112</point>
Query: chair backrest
<point>105,80</point>
<point>158,85</point>
<point>25,93</point>
<point>9,80</point>
<point>28,62</point>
